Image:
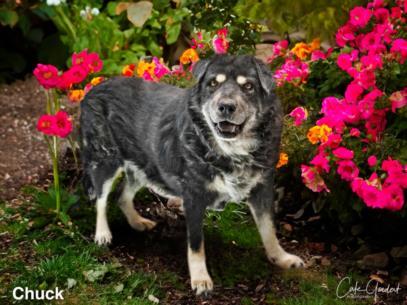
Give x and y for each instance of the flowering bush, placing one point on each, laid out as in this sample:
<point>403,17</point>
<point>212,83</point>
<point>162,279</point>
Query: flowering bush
<point>355,95</point>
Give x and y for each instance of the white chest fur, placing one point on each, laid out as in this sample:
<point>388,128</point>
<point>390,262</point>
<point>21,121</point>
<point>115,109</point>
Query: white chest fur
<point>235,186</point>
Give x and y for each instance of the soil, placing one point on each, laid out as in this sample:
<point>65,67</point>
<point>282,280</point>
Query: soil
<point>23,152</point>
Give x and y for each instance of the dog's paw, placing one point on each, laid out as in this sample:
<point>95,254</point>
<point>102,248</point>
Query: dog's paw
<point>103,238</point>
<point>142,224</point>
<point>202,285</point>
<point>287,261</point>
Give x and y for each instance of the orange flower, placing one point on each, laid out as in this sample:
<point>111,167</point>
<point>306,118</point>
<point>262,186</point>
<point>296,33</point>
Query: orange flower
<point>189,56</point>
<point>97,80</point>
<point>319,133</point>
<point>144,67</point>
<point>128,70</point>
<point>315,44</point>
<point>302,49</point>
<point>283,160</point>
<point>76,96</point>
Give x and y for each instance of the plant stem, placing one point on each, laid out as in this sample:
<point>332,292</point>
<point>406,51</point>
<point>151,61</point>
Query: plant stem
<point>56,174</point>
<point>73,147</point>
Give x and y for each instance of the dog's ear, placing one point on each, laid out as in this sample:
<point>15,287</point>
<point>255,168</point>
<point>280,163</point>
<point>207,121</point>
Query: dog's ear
<point>200,68</point>
<point>265,76</point>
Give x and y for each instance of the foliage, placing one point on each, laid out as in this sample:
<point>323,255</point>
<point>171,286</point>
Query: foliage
<point>316,18</point>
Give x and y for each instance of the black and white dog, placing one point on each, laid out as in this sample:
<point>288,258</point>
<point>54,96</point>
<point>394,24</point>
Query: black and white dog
<point>215,142</point>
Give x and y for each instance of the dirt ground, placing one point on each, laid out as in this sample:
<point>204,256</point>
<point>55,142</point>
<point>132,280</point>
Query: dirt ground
<point>23,153</point>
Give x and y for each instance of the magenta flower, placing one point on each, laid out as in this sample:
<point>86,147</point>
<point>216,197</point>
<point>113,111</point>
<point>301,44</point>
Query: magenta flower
<point>220,43</point>
<point>312,179</point>
<point>399,49</point>
<point>347,170</point>
<point>344,35</point>
<point>360,16</point>
<point>353,92</point>
<point>354,132</point>
<point>46,75</point>
<point>299,114</point>
<point>321,162</point>
<point>343,153</point>
<point>398,99</point>
<point>394,196</point>
<point>372,161</point>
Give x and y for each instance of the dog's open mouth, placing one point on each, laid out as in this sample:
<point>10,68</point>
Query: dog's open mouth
<point>227,129</point>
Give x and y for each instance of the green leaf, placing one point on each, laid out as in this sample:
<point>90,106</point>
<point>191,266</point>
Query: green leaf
<point>139,12</point>
<point>173,32</point>
<point>8,17</point>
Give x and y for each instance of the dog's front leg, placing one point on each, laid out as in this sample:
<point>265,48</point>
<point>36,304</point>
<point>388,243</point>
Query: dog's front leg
<point>260,203</point>
<point>201,282</point>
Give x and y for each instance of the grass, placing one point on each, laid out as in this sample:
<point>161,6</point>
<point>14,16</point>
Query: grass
<point>47,254</point>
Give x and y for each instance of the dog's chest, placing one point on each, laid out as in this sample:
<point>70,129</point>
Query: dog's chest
<point>235,186</point>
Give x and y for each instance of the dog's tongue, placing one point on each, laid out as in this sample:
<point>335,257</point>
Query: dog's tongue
<point>227,127</point>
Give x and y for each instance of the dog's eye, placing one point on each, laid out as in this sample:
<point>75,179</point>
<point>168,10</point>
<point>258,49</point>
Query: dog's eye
<point>213,83</point>
<point>248,86</point>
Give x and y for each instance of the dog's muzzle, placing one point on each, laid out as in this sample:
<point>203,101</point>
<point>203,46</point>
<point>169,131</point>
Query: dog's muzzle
<point>228,130</point>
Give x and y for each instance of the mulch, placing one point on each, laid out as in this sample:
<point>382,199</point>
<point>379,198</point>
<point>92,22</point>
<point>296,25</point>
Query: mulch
<point>24,157</point>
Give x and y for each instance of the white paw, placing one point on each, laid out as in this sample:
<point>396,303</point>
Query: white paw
<point>202,285</point>
<point>103,237</point>
<point>287,261</point>
<point>142,224</point>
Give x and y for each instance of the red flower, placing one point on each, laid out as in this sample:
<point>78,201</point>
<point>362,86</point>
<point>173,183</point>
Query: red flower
<point>46,124</point>
<point>93,62</point>
<point>47,75</point>
<point>63,124</point>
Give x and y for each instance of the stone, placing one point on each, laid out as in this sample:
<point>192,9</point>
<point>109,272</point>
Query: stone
<point>376,260</point>
<point>399,252</point>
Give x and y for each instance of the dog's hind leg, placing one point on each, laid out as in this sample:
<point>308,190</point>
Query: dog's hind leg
<point>260,204</point>
<point>103,236</point>
<point>135,220</point>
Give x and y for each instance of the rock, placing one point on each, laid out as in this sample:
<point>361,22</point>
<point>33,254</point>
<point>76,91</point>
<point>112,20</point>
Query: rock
<point>403,278</point>
<point>376,260</point>
<point>361,252</point>
<point>399,252</point>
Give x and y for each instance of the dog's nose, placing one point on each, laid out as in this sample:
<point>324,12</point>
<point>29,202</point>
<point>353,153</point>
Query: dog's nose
<point>226,109</point>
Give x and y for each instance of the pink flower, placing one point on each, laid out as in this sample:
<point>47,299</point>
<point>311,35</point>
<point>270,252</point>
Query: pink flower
<point>359,16</point>
<point>343,153</point>
<point>344,35</point>
<point>395,197</point>
<point>382,15</point>
<point>321,162</point>
<point>356,186</point>
<point>372,196</point>
<point>372,161</point>
<point>344,61</point>
<point>46,124</point>
<point>75,75</point>
<point>372,62</point>
<point>369,41</point>
<point>93,62</point>
<point>347,170</point>
<point>220,43</point>
<point>398,99</point>
<point>160,69</point>
<point>353,92</point>
<point>366,78</point>
<point>299,114</point>
<point>318,55</point>
<point>279,49</point>
<point>376,124</point>
<point>79,59</point>
<point>292,71</point>
<point>354,132</point>
<point>399,48</point>
<point>312,179</point>
<point>46,75</point>
<point>63,124</point>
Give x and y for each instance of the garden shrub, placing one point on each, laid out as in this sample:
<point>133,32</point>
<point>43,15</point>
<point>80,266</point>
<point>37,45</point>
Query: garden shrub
<point>345,126</point>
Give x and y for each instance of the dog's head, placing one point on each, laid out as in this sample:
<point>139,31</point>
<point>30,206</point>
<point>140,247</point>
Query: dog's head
<point>236,94</point>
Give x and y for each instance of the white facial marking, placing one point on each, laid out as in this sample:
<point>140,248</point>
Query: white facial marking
<point>220,78</point>
<point>241,80</point>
